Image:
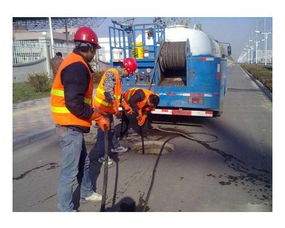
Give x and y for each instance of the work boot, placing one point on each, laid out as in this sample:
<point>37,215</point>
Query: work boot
<point>119,149</point>
<point>95,197</point>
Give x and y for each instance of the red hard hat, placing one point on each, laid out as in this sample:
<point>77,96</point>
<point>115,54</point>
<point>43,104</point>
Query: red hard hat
<point>86,34</point>
<point>130,64</point>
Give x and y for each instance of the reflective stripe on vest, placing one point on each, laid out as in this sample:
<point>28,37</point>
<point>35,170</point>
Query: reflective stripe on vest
<point>60,93</point>
<point>102,91</point>
<point>59,109</point>
<point>99,100</point>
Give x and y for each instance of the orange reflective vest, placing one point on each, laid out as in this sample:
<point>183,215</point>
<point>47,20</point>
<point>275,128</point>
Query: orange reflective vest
<point>129,93</point>
<point>60,113</point>
<point>99,99</point>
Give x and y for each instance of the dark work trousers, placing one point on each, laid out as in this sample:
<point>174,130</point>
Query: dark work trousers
<point>132,123</point>
<point>98,150</point>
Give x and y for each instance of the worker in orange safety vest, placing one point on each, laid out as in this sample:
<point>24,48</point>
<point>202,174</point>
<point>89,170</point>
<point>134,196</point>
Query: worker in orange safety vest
<point>73,113</point>
<point>138,103</point>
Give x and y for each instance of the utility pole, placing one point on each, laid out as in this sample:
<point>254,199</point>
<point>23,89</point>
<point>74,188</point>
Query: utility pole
<point>66,34</point>
<point>51,37</point>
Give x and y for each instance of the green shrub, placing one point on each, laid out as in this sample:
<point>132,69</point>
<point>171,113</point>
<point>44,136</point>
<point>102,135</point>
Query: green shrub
<point>40,81</point>
<point>261,73</point>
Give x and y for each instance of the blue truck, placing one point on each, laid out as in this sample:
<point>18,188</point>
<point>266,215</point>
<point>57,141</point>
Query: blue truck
<point>186,67</point>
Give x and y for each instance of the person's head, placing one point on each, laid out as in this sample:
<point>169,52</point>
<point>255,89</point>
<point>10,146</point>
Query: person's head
<point>153,100</point>
<point>58,54</point>
<point>129,66</point>
<point>86,41</point>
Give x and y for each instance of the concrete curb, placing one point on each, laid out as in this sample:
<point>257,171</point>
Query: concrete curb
<point>265,90</point>
<point>32,137</point>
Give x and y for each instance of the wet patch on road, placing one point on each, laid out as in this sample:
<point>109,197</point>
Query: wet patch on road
<point>257,182</point>
<point>255,187</point>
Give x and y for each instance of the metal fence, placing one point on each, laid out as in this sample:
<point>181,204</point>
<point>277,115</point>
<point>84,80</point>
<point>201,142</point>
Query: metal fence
<point>63,48</point>
<point>27,51</point>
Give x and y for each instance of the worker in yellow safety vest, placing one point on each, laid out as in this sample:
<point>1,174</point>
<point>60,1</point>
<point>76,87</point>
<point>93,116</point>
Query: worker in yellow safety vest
<point>72,112</point>
<point>107,99</point>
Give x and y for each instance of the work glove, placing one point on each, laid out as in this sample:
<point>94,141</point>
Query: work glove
<point>141,120</point>
<point>102,121</point>
<point>127,108</point>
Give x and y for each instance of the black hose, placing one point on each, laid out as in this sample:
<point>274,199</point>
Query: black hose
<point>116,184</point>
<point>141,131</point>
<point>177,134</point>
<point>154,171</point>
<point>105,180</point>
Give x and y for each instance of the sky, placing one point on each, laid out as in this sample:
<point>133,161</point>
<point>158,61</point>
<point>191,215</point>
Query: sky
<point>235,30</point>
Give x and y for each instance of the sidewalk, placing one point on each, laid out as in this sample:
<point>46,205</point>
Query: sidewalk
<point>31,121</point>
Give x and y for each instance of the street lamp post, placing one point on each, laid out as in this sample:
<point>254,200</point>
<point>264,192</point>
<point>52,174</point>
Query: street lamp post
<point>261,60</point>
<point>256,45</point>
<point>256,49</point>
<point>266,34</point>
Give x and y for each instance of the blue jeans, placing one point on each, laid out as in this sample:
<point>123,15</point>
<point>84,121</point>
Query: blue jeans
<point>74,161</point>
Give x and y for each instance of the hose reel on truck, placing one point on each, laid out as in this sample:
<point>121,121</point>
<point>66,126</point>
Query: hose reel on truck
<point>173,63</point>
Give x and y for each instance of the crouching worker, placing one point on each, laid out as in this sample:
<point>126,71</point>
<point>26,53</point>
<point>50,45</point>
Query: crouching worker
<point>107,99</point>
<point>137,104</point>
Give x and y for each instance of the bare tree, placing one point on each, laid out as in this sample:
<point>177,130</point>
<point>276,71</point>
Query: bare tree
<point>168,21</point>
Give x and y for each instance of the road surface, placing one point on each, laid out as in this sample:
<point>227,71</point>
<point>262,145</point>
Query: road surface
<point>225,166</point>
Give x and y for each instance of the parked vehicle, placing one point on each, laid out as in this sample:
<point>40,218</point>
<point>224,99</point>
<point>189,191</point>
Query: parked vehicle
<point>185,66</point>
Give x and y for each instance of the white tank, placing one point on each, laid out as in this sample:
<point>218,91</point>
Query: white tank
<point>200,42</point>
<point>217,49</point>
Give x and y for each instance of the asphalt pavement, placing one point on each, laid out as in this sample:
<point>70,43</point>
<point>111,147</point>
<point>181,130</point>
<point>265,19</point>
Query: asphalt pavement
<point>225,166</point>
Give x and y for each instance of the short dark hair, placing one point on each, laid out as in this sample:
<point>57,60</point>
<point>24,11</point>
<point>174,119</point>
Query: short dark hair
<point>58,54</point>
<point>84,46</point>
<point>154,99</point>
